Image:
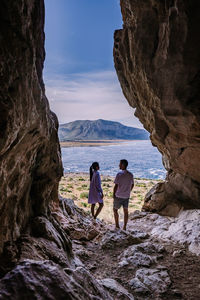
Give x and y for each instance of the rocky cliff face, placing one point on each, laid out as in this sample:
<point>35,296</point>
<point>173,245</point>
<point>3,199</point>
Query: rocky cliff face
<point>36,257</point>
<point>30,161</point>
<point>45,247</point>
<point>158,64</point>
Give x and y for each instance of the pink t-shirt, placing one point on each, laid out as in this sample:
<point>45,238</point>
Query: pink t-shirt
<point>124,180</point>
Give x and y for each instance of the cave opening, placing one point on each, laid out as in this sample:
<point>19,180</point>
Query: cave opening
<point>82,84</point>
<point>49,248</point>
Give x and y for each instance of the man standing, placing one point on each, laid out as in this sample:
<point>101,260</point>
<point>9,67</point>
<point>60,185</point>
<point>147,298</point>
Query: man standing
<point>124,183</point>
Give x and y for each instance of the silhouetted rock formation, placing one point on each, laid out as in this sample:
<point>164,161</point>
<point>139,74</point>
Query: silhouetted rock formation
<point>36,257</point>
<point>41,253</point>
<point>157,61</point>
<point>30,161</point>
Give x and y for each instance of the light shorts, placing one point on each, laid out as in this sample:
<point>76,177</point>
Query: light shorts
<point>118,202</point>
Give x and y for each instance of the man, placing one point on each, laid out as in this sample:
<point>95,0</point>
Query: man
<point>124,183</point>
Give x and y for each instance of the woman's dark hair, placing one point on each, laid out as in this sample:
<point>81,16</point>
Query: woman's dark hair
<point>93,167</point>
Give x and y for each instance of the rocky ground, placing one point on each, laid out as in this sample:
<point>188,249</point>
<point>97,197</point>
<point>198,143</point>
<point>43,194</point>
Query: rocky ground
<point>138,265</point>
<point>70,256</point>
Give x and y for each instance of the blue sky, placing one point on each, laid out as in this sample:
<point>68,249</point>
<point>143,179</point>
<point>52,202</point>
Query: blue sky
<point>79,74</point>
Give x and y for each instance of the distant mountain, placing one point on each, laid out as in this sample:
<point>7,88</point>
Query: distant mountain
<point>99,130</point>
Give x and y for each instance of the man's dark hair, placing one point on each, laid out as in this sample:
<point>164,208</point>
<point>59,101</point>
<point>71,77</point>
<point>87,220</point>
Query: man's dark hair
<point>124,162</point>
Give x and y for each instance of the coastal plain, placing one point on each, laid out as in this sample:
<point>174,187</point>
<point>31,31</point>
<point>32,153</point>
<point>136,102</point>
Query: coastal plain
<point>75,186</point>
<point>92,143</point>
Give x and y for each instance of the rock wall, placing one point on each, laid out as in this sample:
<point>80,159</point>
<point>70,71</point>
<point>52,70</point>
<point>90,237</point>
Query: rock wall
<point>37,260</point>
<point>30,160</point>
<point>157,59</point>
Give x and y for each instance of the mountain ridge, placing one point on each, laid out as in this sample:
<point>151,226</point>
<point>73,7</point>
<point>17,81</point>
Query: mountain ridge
<point>85,130</point>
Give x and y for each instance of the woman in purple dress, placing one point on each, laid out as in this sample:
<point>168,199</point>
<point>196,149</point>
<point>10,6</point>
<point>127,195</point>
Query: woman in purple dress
<point>95,192</point>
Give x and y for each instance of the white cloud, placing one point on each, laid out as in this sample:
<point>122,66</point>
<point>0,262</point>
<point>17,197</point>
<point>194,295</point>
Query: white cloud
<point>90,96</point>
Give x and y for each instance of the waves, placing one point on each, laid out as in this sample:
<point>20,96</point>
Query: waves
<point>144,160</point>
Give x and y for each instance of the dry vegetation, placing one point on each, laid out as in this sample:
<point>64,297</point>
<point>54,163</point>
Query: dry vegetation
<point>76,186</point>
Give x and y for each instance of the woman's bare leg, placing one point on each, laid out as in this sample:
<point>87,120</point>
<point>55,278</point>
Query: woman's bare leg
<point>98,210</point>
<point>92,209</point>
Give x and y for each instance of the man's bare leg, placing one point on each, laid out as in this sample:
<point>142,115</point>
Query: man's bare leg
<point>92,209</point>
<point>125,218</point>
<point>98,210</point>
<point>116,216</point>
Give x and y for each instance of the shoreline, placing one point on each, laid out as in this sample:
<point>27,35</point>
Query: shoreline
<point>66,174</point>
<point>95,143</point>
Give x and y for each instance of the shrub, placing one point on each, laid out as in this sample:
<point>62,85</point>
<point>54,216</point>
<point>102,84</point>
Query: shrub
<point>84,204</point>
<point>84,195</point>
<point>84,186</point>
<point>81,179</point>
<point>106,179</point>
<point>70,186</point>
<point>141,184</point>
<point>140,197</point>
<point>63,189</point>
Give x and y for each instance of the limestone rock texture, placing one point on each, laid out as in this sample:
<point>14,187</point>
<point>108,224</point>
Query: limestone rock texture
<point>37,226</point>
<point>30,160</point>
<point>157,59</point>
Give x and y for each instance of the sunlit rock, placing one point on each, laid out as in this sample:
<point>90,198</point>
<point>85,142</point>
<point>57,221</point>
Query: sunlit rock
<point>183,229</point>
<point>142,255</point>
<point>119,291</point>
<point>148,281</point>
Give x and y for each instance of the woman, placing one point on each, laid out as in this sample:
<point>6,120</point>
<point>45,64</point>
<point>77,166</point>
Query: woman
<point>95,192</point>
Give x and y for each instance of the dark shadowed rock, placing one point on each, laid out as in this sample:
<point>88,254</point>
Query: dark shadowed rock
<point>46,280</point>
<point>156,57</point>
<point>30,160</point>
<point>113,239</point>
<point>117,290</point>
<point>36,259</point>
<point>158,65</point>
<point>75,221</point>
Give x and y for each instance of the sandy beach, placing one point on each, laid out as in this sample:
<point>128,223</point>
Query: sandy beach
<point>76,186</point>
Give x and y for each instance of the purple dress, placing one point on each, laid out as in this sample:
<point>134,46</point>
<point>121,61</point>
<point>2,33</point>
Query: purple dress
<point>95,192</point>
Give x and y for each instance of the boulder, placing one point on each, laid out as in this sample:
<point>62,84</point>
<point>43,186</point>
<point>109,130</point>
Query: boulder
<point>153,281</point>
<point>141,255</point>
<point>117,290</point>
<point>112,239</point>
<point>46,280</point>
<point>74,221</point>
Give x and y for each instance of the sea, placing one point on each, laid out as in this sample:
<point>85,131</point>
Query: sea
<point>144,160</point>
